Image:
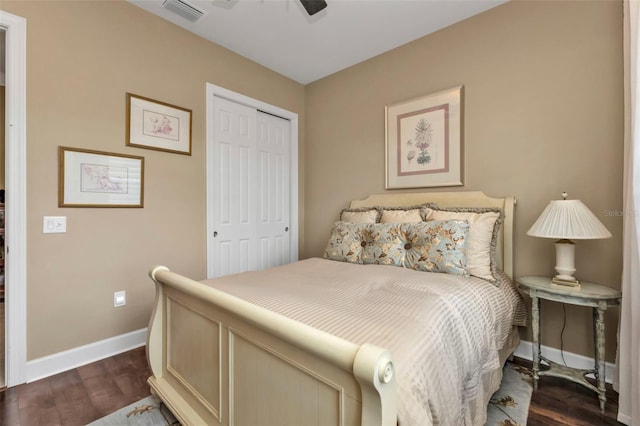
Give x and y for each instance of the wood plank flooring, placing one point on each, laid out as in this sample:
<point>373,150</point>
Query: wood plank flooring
<point>85,394</point>
<point>560,402</point>
<point>78,396</point>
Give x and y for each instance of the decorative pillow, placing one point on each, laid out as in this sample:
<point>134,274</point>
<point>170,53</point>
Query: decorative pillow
<point>366,215</point>
<point>484,224</point>
<point>404,214</point>
<point>347,242</point>
<point>400,215</point>
<point>436,246</point>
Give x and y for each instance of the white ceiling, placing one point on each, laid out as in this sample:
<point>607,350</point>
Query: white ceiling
<point>281,36</point>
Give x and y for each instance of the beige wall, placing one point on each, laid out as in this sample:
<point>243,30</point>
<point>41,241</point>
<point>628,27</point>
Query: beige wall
<point>543,105</point>
<point>543,114</point>
<point>82,59</point>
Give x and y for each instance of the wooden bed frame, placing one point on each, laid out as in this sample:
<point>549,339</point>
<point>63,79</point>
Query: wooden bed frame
<point>217,359</point>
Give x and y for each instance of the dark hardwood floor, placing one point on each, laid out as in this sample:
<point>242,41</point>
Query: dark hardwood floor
<point>560,402</point>
<point>78,396</point>
<point>85,394</point>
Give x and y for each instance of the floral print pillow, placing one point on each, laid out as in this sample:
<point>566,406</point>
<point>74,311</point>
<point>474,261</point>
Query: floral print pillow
<point>347,242</point>
<point>484,224</point>
<point>435,246</point>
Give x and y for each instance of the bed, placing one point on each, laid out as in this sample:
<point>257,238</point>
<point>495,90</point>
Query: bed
<point>346,340</point>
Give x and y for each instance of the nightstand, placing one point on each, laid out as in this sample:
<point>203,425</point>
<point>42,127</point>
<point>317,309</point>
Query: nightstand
<point>598,297</point>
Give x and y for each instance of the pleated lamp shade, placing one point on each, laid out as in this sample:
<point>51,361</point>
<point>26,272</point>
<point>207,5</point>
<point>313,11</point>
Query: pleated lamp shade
<point>567,220</point>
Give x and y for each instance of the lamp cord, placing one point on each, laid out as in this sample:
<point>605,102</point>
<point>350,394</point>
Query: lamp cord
<point>564,324</point>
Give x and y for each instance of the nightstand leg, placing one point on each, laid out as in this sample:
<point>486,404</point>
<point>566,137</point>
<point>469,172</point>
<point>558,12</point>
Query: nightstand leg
<point>598,314</point>
<point>535,326</point>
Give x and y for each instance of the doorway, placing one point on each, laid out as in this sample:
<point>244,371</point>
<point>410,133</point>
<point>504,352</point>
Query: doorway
<point>252,184</point>
<point>15,116</point>
<point>2,140</point>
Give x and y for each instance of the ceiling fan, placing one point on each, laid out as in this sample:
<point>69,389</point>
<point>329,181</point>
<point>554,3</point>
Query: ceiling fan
<point>192,13</point>
<point>313,6</point>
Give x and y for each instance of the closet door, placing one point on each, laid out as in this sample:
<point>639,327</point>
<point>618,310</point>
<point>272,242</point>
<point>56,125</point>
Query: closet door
<point>251,186</point>
<point>273,191</point>
<point>235,191</point>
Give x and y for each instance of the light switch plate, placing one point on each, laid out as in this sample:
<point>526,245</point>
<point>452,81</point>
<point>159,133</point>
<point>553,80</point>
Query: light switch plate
<point>54,224</point>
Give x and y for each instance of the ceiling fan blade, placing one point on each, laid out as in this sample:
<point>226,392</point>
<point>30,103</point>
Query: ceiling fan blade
<point>313,6</point>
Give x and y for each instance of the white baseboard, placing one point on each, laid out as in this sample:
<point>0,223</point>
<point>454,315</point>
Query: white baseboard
<point>624,419</point>
<point>76,357</point>
<point>524,350</point>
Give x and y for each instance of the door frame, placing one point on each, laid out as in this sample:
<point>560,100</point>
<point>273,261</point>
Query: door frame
<point>213,90</point>
<point>16,202</point>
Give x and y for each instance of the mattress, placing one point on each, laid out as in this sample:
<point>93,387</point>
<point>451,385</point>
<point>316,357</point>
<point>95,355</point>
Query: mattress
<point>444,331</point>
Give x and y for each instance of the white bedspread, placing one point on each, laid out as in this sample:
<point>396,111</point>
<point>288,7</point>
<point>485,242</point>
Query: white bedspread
<point>443,331</point>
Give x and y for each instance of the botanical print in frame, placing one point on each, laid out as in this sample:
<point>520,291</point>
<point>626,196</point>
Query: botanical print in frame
<point>424,141</point>
<point>157,125</point>
<point>88,178</point>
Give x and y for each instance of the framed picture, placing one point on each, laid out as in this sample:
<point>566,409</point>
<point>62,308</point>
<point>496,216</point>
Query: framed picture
<point>158,125</point>
<point>99,179</point>
<point>424,141</point>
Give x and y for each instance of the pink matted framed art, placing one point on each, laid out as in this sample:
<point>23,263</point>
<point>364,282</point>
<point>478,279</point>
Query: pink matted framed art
<point>157,125</point>
<point>88,178</point>
<point>424,141</point>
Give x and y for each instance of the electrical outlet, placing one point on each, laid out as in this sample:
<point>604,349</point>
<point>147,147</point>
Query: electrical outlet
<point>119,299</point>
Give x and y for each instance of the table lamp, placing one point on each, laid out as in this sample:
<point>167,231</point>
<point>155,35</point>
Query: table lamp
<point>567,220</point>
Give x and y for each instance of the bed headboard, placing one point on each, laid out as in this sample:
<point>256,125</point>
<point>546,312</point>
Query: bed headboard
<point>504,249</point>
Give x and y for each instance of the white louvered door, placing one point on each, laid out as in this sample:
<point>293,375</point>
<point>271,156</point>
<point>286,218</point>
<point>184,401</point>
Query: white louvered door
<point>250,179</point>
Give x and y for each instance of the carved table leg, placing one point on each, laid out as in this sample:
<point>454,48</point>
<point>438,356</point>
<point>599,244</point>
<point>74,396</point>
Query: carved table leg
<point>600,351</point>
<point>535,326</point>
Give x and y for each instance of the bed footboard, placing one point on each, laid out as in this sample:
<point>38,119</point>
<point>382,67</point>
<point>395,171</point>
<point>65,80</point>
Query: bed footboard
<point>217,359</point>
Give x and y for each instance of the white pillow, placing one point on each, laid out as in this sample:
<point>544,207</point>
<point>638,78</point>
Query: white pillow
<point>484,224</point>
<point>360,215</point>
<point>406,214</point>
<point>401,216</point>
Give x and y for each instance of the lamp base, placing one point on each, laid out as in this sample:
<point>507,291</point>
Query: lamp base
<point>565,261</point>
<point>566,283</point>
